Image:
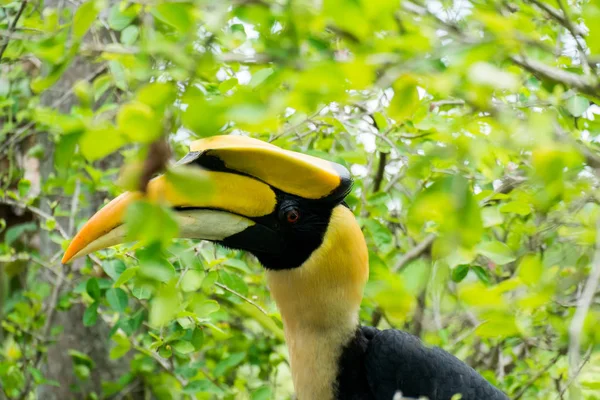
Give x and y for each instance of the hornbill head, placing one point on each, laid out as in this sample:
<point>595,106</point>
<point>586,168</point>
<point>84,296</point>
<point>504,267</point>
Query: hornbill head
<point>284,207</point>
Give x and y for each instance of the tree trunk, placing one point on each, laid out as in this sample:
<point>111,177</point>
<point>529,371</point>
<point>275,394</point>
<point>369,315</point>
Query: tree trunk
<point>93,341</point>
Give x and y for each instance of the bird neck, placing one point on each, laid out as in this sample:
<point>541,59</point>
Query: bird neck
<point>319,303</point>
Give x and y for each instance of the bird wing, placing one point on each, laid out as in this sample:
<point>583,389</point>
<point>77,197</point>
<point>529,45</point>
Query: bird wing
<point>398,361</point>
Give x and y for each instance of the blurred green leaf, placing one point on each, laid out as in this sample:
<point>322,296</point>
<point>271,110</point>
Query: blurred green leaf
<point>84,17</point>
<point>406,99</point>
<point>90,316</point>
<point>577,105</point>
<point>496,251</point>
<point>92,288</point>
<point>530,269</point>
<point>117,299</point>
<point>460,272</point>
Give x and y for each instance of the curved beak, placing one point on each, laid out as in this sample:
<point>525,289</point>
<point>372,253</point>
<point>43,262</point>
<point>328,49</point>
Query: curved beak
<point>242,173</point>
<point>224,212</point>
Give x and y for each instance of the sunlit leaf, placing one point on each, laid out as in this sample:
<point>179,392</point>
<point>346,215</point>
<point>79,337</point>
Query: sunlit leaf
<point>496,251</point>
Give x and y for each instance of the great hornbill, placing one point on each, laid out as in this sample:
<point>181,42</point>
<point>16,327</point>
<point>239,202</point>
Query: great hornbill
<point>288,210</point>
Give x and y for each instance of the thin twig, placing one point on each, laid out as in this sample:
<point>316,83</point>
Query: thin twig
<point>440,103</point>
<point>27,129</point>
<point>74,206</point>
<point>38,212</point>
<point>298,125</point>
<point>414,252</point>
<point>164,364</point>
<point>571,379</point>
<point>591,158</point>
<point>537,376</point>
<point>12,28</point>
<point>556,15</point>
<point>241,296</point>
<point>582,310</point>
<point>585,63</point>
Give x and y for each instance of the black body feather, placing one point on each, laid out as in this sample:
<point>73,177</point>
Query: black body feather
<point>376,364</point>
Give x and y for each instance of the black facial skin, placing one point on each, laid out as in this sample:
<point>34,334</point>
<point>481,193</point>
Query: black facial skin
<point>279,243</point>
<point>274,240</point>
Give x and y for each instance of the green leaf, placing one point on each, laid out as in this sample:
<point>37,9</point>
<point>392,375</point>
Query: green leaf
<point>15,232</point>
<point>64,150</point>
<point>84,17</point>
<point>82,372</point>
<point>516,207</point>
<point>234,282</point>
<point>90,316</point>
<point>157,95</point>
<point>122,345</point>
<point>202,116</point>
<point>23,187</point>
<point>126,276</point>
<point>406,99</point>
<point>460,272</point>
<point>141,292</point>
<point>577,105</point>
<point>100,141</point>
<point>165,351</point>
<point>129,35</point>
<point>204,308</point>
<point>190,182</point>
<point>197,338</point>
<point>481,273</point>
<point>118,19</point>
<point>192,280</point>
<point>530,269</point>
<point>113,268</point>
<point>93,288</point>
<point>183,347</point>
<point>164,307</point>
<point>496,251</point>
<point>81,358</point>
<point>260,76</point>
<point>201,386</point>
<point>179,16</point>
<point>491,216</point>
<point>153,265</point>
<point>117,299</point>
<point>228,363</point>
<point>262,393</point>
<point>150,223</point>
<point>139,123</point>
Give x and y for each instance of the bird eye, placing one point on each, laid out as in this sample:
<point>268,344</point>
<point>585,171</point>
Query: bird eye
<point>292,216</point>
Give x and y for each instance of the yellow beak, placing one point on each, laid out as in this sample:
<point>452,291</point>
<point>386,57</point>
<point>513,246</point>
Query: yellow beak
<point>244,174</point>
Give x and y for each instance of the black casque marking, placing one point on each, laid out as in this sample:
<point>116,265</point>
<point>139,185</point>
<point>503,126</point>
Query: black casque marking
<point>212,162</point>
<point>277,243</point>
<point>294,242</point>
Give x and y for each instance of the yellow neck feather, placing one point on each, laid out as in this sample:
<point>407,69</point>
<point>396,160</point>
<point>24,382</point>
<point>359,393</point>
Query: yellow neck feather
<point>319,303</point>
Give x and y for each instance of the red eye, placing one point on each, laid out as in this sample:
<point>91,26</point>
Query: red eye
<point>292,216</point>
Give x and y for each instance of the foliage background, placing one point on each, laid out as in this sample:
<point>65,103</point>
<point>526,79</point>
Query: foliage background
<point>470,127</point>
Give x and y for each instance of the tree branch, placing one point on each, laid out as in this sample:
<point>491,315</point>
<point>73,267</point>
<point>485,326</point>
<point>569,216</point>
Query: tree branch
<point>571,27</point>
<point>37,212</point>
<point>414,252</point>
<point>12,28</point>
<point>380,170</point>
<point>556,15</point>
<point>584,84</point>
